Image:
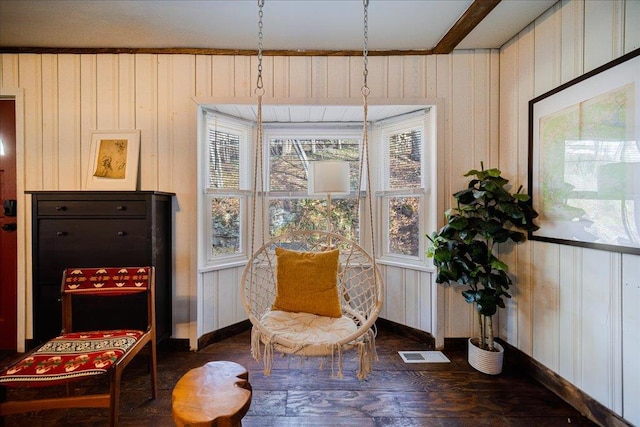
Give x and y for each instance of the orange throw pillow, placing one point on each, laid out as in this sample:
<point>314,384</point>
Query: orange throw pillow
<point>307,282</point>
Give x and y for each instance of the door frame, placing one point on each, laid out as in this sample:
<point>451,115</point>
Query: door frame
<point>24,212</point>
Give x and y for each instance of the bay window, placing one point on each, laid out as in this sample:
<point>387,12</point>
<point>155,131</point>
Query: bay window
<point>400,148</point>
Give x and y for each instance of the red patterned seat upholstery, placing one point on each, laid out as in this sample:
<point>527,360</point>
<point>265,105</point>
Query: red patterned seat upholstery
<point>71,356</point>
<point>75,355</point>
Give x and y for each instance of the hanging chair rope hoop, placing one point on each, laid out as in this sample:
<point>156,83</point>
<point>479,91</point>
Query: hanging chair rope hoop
<point>359,282</point>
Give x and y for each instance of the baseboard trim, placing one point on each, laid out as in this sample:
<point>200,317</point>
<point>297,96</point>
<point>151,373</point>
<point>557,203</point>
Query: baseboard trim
<point>568,392</point>
<point>29,344</point>
<point>221,334</point>
<point>408,332</point>
<point>174,344</point>
<point>237,328</point>
<point>456,343</point>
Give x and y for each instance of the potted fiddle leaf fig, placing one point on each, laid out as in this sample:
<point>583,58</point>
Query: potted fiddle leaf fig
<point>464,252</point>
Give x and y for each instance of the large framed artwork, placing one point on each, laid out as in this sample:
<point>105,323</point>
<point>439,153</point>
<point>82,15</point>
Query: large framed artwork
<point>113,160</point>
<point>584,159</point>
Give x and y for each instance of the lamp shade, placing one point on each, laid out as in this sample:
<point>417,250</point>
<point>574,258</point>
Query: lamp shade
<point>329,177</point>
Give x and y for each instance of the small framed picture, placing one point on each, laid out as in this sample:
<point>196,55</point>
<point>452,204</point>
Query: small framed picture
<point>113,160</point>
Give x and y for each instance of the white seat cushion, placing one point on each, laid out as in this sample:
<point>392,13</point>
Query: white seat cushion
<point>314,335</point>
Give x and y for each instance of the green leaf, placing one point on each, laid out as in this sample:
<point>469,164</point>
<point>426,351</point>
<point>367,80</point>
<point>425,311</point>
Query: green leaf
<point>447,233</point>
<point>479,252</point>
<point>467,235</point>
<point>448,213</point>
<point>470,296</point>
<point>496,264</point>
<point>499,281</point>
<point>442,255</point>
<point>458,222</point>
<point>487,308</point>
<point>517,236</point>
<point>521,197</point>
<point>442,278</point>
<point>492,226</point>
<point>465,196</point>
<point>490,186</point>
<point>501,236</point>
<point>477,194</point>
<point>493,172</point>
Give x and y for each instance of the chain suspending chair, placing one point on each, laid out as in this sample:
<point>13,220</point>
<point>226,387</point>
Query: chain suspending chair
<point>290,321</point>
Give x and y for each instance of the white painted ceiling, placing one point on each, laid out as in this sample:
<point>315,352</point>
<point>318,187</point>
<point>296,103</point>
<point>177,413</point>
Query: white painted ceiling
<point>232,24</point>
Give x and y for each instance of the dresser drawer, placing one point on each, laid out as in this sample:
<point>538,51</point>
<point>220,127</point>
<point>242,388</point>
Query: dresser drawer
<point>85,242</point>
<point>91,208</point>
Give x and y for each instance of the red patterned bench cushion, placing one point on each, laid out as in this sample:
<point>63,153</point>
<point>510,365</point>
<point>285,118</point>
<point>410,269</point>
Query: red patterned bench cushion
<point>70,356</point>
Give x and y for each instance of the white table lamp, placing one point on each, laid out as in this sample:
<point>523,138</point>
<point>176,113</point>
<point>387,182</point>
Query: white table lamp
<point>329,177</point>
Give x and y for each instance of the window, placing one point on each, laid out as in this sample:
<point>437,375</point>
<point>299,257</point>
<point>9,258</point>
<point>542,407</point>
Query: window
<point>403,183</point>
<point>225,187</point>
<point>289,154</point>
<point>400,148</point>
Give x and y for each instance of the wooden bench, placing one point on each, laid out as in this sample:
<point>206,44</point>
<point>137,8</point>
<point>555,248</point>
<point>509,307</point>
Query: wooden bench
<point>216,394</point>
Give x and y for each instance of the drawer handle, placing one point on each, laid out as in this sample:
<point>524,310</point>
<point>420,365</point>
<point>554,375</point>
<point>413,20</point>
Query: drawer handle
<point>61,233</point>
<point>121,208</point>
<point>61,208</point>
<point>122,233</point>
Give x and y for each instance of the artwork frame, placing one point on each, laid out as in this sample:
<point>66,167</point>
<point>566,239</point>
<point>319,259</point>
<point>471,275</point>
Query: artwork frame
<point>113,160</point>
<point>584,159</point>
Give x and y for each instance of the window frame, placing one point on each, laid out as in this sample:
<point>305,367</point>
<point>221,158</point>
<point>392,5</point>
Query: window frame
<point>344,130</point>
<point>384,129</point>
<point>245,130</point>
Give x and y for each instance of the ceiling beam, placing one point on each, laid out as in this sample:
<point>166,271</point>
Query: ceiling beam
<point>478,10</point>
<point>209,51</point>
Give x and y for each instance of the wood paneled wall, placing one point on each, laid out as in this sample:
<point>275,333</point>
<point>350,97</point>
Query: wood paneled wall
<point>571,310</point>
<point>67,95</point>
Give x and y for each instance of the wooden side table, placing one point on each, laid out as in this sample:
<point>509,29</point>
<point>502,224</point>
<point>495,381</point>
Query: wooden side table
<point>216,394</point>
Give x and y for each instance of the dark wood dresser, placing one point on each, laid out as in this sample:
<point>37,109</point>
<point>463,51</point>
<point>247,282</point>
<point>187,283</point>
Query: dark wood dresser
<point>96,229</point>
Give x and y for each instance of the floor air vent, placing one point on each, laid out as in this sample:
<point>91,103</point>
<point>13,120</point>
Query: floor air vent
<point>423,357</point>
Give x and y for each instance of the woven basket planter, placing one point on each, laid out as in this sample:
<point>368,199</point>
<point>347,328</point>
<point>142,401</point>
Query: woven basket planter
<point>487,362</point>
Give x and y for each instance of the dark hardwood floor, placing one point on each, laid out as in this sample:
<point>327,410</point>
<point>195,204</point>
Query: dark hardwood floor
<point>395,394</point>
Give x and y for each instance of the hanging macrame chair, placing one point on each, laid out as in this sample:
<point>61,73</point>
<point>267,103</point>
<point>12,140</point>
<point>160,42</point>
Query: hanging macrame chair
<point>358,279</point>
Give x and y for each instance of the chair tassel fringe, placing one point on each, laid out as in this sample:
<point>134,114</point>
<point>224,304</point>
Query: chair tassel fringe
<point>255,344</point>
<point>267,358</point>
<point>367,354</point>
<point>336,348</point>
